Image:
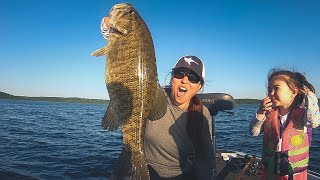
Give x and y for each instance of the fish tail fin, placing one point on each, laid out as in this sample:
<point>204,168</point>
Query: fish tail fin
<point>100,52</point>
<point>122,169</point>
<point>139,167</point>
<point>130,166</point>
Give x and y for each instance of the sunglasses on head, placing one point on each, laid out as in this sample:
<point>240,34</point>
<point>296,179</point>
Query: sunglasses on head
<point>181,73</point>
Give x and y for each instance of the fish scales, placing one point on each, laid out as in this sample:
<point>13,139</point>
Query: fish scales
<point>132,84</point>
<point>135,78</point>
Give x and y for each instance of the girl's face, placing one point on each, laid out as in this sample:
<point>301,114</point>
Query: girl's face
<point>184,86</point>
<point>280,94</point>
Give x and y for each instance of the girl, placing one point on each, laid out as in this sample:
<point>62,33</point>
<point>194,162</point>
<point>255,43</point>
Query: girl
<point>284,117</point>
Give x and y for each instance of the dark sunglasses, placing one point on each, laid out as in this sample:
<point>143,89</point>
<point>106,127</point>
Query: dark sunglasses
<point>180,73</point>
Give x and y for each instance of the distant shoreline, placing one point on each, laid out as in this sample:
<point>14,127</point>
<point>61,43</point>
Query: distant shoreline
<point>4,95</point>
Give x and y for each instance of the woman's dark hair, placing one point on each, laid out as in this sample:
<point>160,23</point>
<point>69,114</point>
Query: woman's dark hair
<point>295,81</point>
<point>195,124</point>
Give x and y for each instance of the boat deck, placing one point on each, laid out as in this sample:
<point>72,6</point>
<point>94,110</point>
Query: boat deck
<point>234,168</point>
<point>239,166</point>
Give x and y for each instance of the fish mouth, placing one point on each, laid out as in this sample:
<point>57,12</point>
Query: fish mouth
<point>108,28</point>
<point>113,30</point>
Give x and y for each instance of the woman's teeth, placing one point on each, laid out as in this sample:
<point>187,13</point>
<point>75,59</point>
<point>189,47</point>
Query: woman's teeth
<point>182,89</point>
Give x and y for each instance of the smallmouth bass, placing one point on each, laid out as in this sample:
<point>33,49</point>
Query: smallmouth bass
<point>132,83</point>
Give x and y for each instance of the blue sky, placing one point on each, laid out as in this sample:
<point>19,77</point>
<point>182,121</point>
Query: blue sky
<point>46,44</point>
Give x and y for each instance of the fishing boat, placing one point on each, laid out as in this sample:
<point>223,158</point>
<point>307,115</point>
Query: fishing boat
<point>232,165</point>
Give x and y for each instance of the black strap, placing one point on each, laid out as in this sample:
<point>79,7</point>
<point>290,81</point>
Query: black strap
<point>290,176</point>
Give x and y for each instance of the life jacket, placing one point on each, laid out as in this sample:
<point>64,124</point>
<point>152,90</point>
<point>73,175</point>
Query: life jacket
<point>285,150</point>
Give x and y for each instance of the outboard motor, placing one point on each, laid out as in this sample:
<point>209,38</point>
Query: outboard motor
<point>217,102</point>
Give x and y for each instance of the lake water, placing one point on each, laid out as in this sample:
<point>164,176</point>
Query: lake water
<point>47,140</point>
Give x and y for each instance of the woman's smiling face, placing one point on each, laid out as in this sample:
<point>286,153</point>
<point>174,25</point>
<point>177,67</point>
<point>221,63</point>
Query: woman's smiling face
<point>182,90</point>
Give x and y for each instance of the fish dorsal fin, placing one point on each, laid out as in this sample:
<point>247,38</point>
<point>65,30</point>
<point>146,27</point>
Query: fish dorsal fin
<point>100,52</point>
<point>160,106</point>
<point>110,120</point>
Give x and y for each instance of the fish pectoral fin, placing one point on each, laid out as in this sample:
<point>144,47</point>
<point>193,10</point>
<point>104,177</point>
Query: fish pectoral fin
<point>100,52</point>
<point>110,120</point>
<point>160,106</point>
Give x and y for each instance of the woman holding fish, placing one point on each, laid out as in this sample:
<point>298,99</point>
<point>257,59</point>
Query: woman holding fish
<point>166,132</point>
<point>179,145</point>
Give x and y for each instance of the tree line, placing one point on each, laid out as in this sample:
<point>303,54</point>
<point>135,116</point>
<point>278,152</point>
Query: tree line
<point>54,99</point>
<point>91,101</point>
